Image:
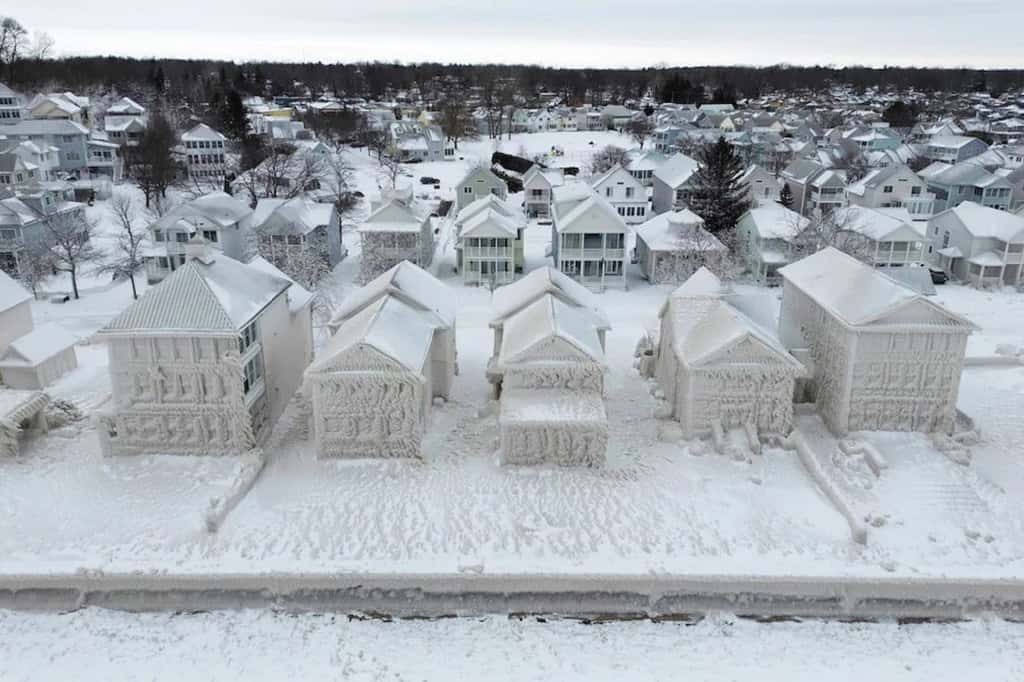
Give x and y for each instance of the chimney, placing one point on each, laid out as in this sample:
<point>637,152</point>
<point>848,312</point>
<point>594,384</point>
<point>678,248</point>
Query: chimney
<point>199,249</point>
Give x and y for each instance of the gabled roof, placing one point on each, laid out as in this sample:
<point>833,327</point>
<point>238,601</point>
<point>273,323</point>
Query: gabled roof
<point>487,203</point>
<point>952,141</point>
<point>218,296</point>
<point>388,325</point>
<point>486,173</point>
<point>489,223</point>
<point>545,319</point>
<point>678,231</point>
<point>218,207</point>
<point>879,224</point>
<point>201,131</point>
<point>553,176</point>
<point>513,297</point>
<point>126,106</point>
<point>593,205</point>
<point>394,216</point>
<point>623,175</point>
<point>706,323</point>
<point>45,126</point>
<point>412,284</point>
<point>677,170</point>
<point>984,221</point>
<point>11,293</point>
<point>775,222</point>
<point>298,215</point>
<point>855,293</point>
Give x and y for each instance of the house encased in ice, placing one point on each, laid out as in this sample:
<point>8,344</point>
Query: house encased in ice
<point>718,367</point>
<point>392,353</point>
<point>769,237</point>
<point>397,230</point>
<point>509,300</point>
<point>289,230</point>
<point>31,357</point>
<point>884,357</point>
<point>551,361</point>
<point>672,246</point>
<point>206,361</point>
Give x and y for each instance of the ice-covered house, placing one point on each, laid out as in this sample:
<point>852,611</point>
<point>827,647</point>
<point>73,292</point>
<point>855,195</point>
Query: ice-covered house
<point>671,184</point>
<point>396,231</point>
<point>769,237</point>
<point>419,290</point>
<point>31,357</point>
<point>297,228</point>
<point>477,184</point>
<point>626,194</point>
<point>547,281</point>
<point>882,356</point>
<point>206,361</point>
<point>224,221</point>
<point>978,244</point>
<point>373,383</point>
<point>588,237</point>
<point>538,184</point>
<point>552,400</point>
<point>672,246</point>
<point>392,353</point>
<point>718,367</point>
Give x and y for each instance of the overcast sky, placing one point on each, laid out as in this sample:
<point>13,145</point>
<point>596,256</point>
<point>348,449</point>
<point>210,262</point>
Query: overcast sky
<point>981,33</point>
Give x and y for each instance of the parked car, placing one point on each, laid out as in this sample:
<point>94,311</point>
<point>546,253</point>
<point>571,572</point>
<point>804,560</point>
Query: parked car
<point>938,276</point>
<point>427,180</point>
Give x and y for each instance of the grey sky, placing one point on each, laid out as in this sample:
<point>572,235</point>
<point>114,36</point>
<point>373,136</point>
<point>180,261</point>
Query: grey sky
<point>982,33</point>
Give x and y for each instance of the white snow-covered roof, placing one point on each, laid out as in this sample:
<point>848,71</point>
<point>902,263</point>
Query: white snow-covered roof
<point>775,222</point>
<point>677,170</point>
<point>879,224</point>
<point>701,283</point>
<point>951,141</point>
<point>854,292</point>
<point>38,346</point>
<point>489,223</point>
<point>200,132</point>
<point>298,215</point>
<point>513,297</point>
<point>394,216</point>
<point>298,296</point>
<point>489,202</point>
<point>544,319</point>
<point>984,221</point>
<point>987,259</point>
<point>11,293</point>
<point>409,282</point>
<point>388,325</point>
<point>592,205</point>
<point>219,295</point>
<point>678,231</point>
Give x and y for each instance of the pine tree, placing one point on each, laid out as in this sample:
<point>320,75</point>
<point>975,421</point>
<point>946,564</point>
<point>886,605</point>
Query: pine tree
<point>232,116</point>
<point>719,195</point>
<point>786,196</point>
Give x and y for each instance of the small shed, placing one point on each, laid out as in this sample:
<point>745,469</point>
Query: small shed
<point>39,358</point>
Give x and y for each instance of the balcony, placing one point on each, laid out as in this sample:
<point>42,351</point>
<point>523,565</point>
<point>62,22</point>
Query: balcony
<point>592,254</point>
<point>479,252</point>
<point>477,277</point>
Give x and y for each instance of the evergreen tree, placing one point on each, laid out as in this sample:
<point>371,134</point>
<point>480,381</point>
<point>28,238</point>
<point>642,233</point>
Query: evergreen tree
<point>232,116</point>
<point>786,196</point>
<point>900,115</point>
<point>719,195</point>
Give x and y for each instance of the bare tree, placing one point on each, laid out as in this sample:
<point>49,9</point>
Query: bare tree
<point>285,173</point>
<point>839,228</point>
<point>606,158</point>
<point>640,129</point>
<point>456,120</point>
<point>13,42</point>
<point>42,45</point>
<point>36,262</point>
<point>70,236</point>
<point>387,176</point>
<point>129,241</point>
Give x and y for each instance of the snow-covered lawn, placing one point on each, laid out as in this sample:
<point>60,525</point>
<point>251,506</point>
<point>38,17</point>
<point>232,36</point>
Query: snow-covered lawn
<point>657,508</point>
<point>95,644</point>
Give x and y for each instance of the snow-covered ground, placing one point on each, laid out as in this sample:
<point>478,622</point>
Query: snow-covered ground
<point>656,508</point>
<point>94,644</point>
